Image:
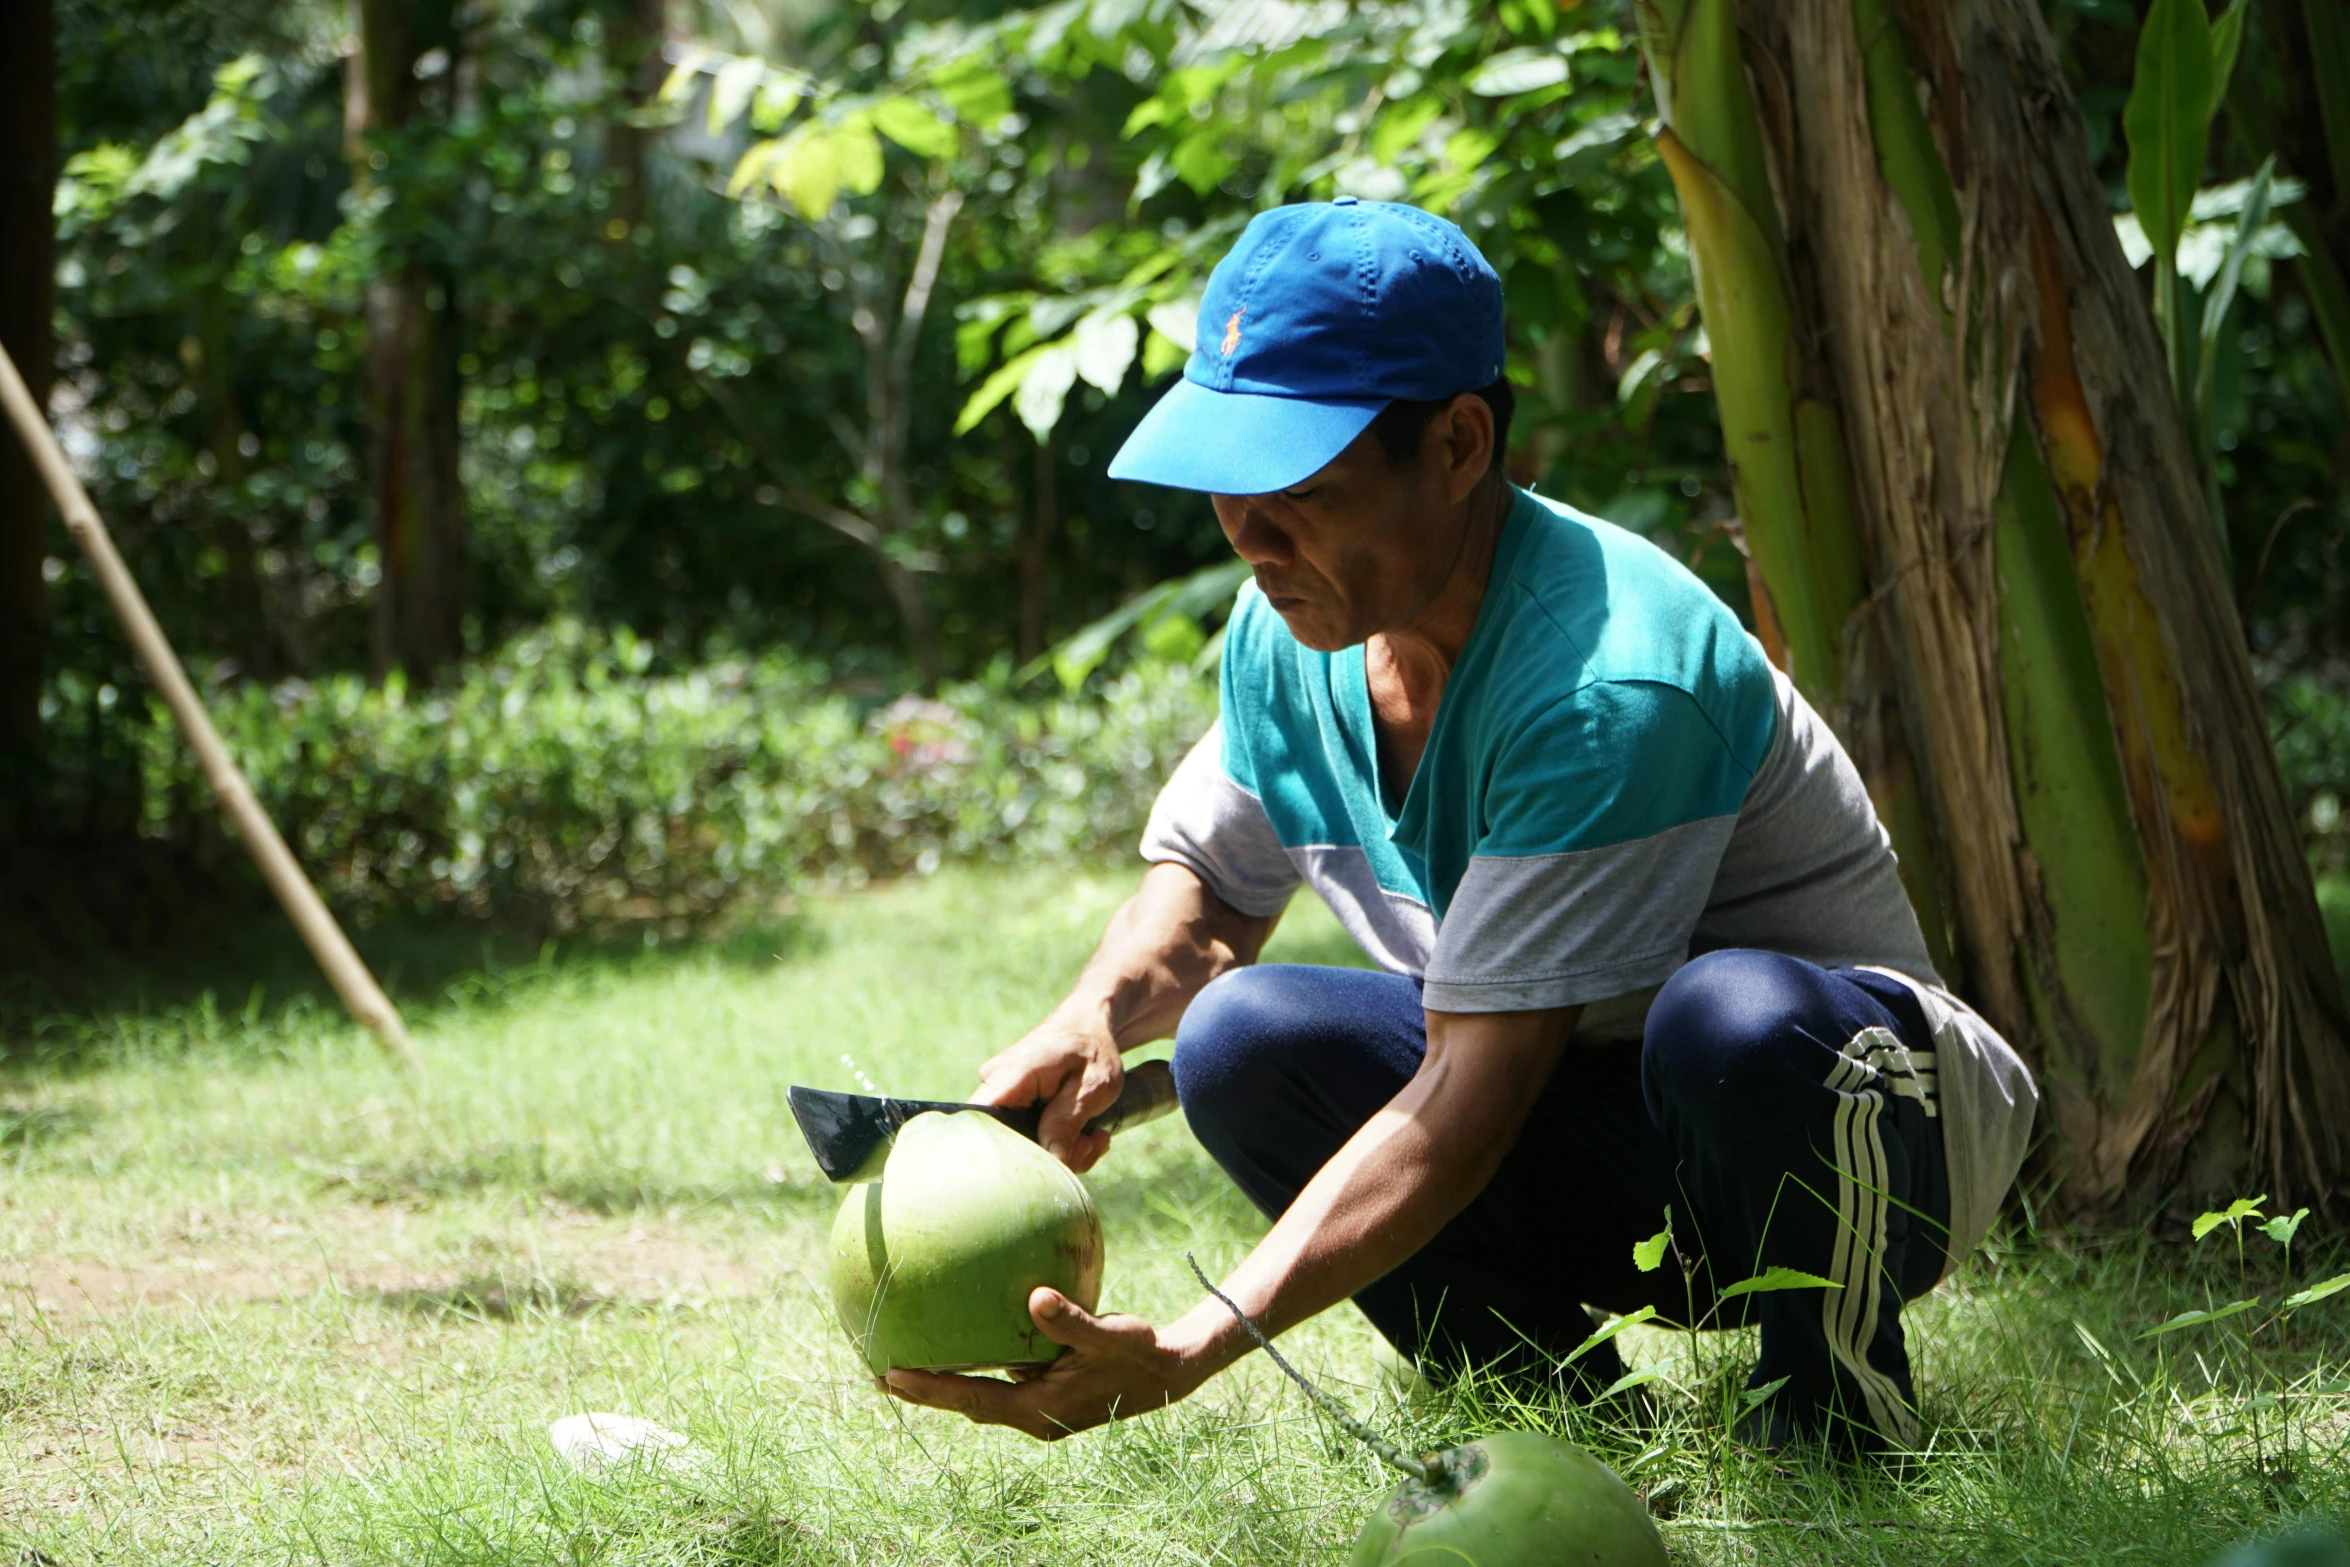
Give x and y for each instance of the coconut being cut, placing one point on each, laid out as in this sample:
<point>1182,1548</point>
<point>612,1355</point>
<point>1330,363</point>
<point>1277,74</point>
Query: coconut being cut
<point>933,1264</point>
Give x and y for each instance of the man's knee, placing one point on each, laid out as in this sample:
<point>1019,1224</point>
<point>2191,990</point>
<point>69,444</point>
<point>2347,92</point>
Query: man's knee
<point>1730,1031</point>
<point>1228,1048</point>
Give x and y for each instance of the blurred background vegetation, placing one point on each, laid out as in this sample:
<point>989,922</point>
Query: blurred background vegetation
<point>754,493</point>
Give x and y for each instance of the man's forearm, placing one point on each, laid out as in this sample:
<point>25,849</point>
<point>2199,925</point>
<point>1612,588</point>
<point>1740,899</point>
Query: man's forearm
<point>1396,1183</point>
<point>1160,950</point>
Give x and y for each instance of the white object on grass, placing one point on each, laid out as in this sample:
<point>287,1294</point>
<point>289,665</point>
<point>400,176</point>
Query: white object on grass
<point>596,1442</point>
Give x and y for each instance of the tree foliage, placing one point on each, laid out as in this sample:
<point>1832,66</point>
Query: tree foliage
<point>696,400</point>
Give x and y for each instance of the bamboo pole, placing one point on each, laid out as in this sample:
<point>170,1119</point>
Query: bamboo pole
<point>343,966</point>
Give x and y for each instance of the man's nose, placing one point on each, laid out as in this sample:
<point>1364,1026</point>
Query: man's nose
<point>1254,536</point>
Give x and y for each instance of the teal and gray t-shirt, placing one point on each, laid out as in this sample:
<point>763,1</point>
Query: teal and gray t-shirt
<point>1617,780</point>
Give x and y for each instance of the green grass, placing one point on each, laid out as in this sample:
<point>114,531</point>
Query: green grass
<point>261,1302</point>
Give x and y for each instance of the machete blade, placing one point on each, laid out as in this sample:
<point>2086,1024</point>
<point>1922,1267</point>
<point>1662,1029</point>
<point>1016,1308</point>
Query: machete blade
<point>850,1134</point>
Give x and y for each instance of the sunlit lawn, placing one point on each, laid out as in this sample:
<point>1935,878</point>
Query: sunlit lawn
<point>259,1301</point>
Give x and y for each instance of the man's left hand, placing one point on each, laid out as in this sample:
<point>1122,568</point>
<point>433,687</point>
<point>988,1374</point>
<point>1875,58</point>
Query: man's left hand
<point>1112,1367</point>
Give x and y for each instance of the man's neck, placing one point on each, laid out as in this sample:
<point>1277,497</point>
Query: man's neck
<point>1406,668</point>
<point>1422,651</point>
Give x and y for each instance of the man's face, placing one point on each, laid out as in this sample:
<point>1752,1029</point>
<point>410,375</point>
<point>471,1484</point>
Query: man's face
<point>1365,545</point>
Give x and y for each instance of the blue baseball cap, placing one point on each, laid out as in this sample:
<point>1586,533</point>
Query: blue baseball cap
<point>1321,315</point>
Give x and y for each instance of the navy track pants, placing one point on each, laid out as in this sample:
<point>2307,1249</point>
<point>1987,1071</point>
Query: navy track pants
<point>1784,1113</point>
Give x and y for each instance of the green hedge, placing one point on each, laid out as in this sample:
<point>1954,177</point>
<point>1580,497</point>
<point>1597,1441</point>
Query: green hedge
<point>564,779</point>
<point>2309,720</point>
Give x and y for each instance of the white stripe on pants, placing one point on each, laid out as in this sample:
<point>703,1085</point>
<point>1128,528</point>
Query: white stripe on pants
<point>1848,1314</point>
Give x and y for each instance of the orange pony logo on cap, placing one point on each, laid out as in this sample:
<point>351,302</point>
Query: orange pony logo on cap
<point>1232,333</point>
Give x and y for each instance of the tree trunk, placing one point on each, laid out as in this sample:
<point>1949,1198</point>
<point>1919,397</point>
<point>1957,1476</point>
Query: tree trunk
<point>1036,541</point>
<point>412,326</point>
<point>28,262</point>
<point>891,333</point>
<point>636,33</point>
<point>1782,433</point>
<point>2128,891</point>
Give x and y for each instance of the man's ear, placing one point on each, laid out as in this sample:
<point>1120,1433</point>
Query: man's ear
<point>1468,427</point>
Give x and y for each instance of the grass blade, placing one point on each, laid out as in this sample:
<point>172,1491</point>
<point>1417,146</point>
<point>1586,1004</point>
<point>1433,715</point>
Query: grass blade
<point>2196,1319</point>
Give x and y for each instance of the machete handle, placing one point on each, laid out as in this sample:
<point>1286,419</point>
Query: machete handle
<point>1149,1093</point>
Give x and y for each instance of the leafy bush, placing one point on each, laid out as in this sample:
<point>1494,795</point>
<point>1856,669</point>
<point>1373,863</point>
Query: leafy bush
<point>564,779</point>
<point>2309,719</point>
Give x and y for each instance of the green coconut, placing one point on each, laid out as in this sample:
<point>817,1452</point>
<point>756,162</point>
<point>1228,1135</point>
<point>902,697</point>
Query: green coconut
<point>1514,1499</point>
<point>932,1265</point>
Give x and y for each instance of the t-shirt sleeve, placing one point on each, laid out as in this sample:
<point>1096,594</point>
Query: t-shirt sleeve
<point>1606,817</point>
<point>1204,820</point>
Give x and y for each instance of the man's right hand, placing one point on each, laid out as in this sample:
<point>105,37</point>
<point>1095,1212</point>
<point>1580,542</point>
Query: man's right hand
<point>1072,1068</point>
<point>1162,946</point>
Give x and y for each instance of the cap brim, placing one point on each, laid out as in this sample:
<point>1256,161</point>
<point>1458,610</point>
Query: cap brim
<point>1239,443</point>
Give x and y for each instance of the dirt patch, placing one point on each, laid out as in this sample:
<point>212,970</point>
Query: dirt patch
<point>570,1267</point>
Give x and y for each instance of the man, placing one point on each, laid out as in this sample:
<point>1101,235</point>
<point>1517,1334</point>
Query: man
<point>1646,955</point>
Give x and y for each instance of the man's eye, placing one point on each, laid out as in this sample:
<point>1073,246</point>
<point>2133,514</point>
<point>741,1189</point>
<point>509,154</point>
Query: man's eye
<point>1306,494</point>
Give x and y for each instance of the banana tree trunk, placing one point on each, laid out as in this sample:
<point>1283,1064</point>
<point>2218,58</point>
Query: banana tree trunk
<point>2128,890</point>
<point>1785,441</point>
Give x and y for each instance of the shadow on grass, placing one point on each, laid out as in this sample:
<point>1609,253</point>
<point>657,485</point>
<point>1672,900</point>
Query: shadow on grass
<point>39,1128</point>
<point>526,1167</point>
<point>504,1298</point>
<point>233,973</point>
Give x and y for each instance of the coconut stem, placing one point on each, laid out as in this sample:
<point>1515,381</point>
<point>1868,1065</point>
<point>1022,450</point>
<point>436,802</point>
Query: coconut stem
<point>1428,1471</point>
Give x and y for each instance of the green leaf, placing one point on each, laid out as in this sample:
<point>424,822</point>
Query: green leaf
<point>239,74</point>
<point>980,320</point>
<point>1177,320</point>
<point>1649,1255</point>
<point>1162,356</point>
<point>1203,592</point>
<point>2196,1319</point>
<point>2236,1212</point>
<point>2167,119</point>
<point>1400,125</point>
<point>1200,159</point>
<point>756,160</point>
<point>773,103</point>
<point>1778,1279</point>
<point>680,81</point>
<point>2222,294</point>
<point>1149,112</point>
<point>1610,1331</point>
<point>2317,1292</point>
<point>995,389</point>
<point>915,128</point>
<point>975,91</point>
<point>2227,39</point>
<point>2282,1230</point>
<point>860,155</point>
<point>1629,1380</point>
<point>1755,1395</point>
<point>731,92</point>
<point>1467,148</point>
<point>1044,390</point>
<point>806,171</point>
<point>1106,342</point>
<point>1515,71</point>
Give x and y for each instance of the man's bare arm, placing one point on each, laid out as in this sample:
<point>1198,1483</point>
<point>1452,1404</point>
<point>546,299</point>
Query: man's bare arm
<point>1161,948</point>
<point>1404,1175</point>
<point>1400,1179</point>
